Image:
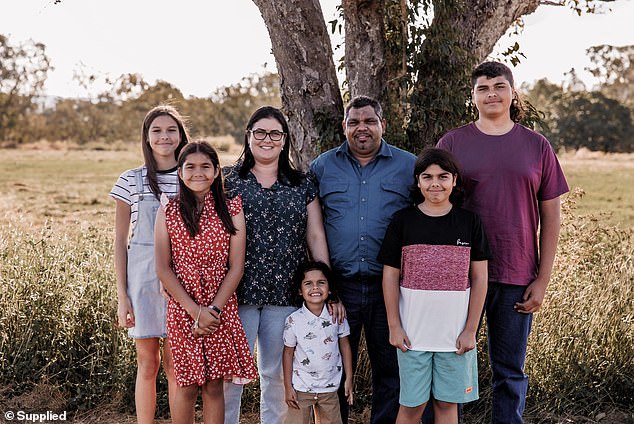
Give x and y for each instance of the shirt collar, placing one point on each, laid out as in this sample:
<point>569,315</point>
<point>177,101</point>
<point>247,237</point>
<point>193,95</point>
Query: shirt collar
<point>324,313</point>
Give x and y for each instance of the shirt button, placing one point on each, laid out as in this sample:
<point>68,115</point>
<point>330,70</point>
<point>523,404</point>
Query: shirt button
<point>363,182</point>
<point>361,218</point>
<point>362,238</point>
<point>363,199</point>
<point>362,259</point>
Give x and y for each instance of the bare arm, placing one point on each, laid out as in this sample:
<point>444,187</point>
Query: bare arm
<point>237,248</point>
<point>163,260</point>
<point>550,222</point>
<point>125,314</point>
<point>398,338</point>
<point>346,357</point>
<point>318,248</point>
<point>478,274</point>
<point>287,369</point>
<point>315,233</point>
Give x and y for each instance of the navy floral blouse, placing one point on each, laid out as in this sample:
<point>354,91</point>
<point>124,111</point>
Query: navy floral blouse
<point>276,220</point>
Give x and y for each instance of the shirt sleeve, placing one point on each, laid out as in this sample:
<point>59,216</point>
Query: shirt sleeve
<point>290,339</point>
<point>444,143</point>
<point>235,205</point>
<point>391,248</point>
<point>312,187</point>
<point>553,183</point>
<point>480,250</point>
<point>122,189</point>
<point>344,329</point>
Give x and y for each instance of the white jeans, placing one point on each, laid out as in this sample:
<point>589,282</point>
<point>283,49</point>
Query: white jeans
<point>266,323</point>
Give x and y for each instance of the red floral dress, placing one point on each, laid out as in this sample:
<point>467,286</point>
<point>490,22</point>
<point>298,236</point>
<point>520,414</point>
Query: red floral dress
<point>200,263</point>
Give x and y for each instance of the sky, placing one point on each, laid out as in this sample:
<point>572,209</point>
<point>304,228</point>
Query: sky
<point>200,45</point>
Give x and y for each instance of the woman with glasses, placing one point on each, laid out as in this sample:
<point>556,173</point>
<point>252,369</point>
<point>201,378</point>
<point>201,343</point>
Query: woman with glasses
<point>284,226</point>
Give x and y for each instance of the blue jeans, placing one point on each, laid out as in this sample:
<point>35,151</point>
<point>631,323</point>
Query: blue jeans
<point>365,308</point>
<point>266,323</point>
<point>508,332</point>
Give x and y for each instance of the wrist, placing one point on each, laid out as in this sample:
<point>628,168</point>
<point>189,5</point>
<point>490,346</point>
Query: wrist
<point>216,309</point>
<point>471,330</point>
<point>194,310</point>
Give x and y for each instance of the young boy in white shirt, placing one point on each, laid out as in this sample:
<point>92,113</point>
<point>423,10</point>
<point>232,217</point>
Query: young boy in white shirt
<point>316,350</point>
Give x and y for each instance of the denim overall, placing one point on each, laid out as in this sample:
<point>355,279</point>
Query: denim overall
<point>149,306</point>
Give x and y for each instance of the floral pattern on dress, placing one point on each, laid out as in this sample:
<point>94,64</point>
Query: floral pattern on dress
<point>276,220</point>
<point>200,263</point>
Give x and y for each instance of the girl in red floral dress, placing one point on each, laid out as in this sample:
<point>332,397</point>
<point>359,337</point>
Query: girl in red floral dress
<point>200,244</point>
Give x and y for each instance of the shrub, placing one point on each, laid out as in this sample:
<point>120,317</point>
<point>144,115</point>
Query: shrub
<point>57,315</point>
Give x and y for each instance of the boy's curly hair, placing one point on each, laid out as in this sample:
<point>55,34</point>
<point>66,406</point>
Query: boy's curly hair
<point>298,277</point>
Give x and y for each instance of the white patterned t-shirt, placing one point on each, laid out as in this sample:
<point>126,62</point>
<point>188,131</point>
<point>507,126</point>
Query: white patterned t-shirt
<point>317,364</point>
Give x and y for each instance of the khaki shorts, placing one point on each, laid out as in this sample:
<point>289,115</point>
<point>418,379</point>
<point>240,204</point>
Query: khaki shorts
<point>324,405</point>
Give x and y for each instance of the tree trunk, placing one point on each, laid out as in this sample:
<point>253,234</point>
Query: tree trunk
<point>376,56</point>
<point>309,88</point>
<point>365,47</point>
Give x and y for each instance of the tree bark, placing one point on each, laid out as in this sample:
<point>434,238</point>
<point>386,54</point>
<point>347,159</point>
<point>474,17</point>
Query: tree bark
<point>365,47</point>
<point>309,88</point>
<point>376,56</point>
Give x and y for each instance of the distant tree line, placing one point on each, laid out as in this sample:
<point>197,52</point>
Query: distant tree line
<point>114,113</point>
<point>568,114</point>
<point>600,119</point>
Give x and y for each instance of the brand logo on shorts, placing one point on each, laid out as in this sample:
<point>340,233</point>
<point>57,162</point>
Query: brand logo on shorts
<point>468,390</point>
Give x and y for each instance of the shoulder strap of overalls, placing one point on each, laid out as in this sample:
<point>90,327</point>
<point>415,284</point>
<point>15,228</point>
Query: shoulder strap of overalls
<point>138,174</point>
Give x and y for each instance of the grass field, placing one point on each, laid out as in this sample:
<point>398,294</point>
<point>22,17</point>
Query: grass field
<point>60,350</point>
<point>608,184</point>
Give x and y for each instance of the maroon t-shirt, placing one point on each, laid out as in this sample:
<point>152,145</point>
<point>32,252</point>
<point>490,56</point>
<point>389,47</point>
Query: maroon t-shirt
<point>505,176</point>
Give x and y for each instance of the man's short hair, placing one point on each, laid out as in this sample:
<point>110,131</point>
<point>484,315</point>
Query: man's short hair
<point>492,70</point>
<point>363,101</point>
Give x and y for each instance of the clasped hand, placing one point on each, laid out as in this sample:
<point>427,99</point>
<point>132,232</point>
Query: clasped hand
<point>208,323</point>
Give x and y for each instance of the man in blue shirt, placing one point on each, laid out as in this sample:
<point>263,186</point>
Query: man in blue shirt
<point>362,183</point>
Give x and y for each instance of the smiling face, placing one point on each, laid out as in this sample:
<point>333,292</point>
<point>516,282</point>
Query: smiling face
<point>314,288</point>
<point>163,137</point>
<point>266,150</point>
<point>493,96</point>
<point>363,129</point>
<point>198,173</point>
<point>436,185</point>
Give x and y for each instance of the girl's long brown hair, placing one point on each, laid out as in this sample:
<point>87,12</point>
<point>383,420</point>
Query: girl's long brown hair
<point>187,199</point>
<point>150,162</point>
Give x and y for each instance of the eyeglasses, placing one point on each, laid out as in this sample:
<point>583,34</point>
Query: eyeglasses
<point>261,134</point>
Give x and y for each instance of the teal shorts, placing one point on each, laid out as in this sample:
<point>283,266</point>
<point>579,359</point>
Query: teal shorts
<point>447,376</point>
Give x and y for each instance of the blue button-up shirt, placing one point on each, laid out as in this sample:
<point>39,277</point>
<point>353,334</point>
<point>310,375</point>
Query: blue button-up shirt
<point>359,202</point>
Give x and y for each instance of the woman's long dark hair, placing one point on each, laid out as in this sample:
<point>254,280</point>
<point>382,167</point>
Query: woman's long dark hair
<point>148,156</point>
<point>284,166</point>
<point>447,162</point>
<point>187,199</point>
